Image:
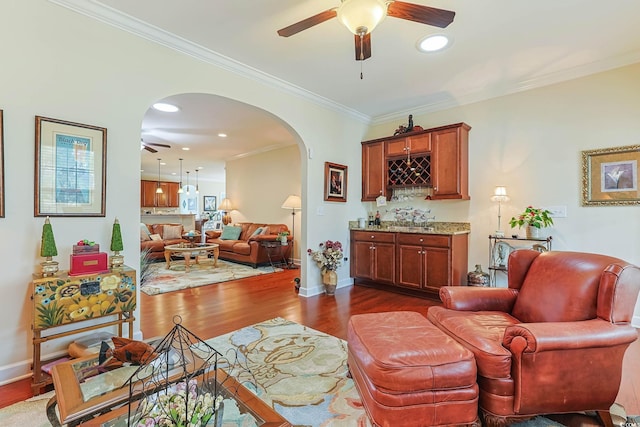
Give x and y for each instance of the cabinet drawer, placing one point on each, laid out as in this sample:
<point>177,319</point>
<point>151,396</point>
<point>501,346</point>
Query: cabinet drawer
<point>397,148</point>
<point>424,240</point>
<point>372,236</point>
<point>420,144</point>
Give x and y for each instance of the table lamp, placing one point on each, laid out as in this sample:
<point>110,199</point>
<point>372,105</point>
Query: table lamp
<point>225,207</point>
<point>499,195</point>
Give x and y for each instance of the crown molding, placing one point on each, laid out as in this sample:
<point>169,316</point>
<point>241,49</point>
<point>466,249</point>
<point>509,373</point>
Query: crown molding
<point>520,86</point>
<point>110,16</point>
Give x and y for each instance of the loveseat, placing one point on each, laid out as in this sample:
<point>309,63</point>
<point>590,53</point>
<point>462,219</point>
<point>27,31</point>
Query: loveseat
<point>244,242</point>
<point>154,237</point>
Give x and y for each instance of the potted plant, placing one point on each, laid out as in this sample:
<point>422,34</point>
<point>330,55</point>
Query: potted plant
<point>116,260</point>
<point>282,236</point>
<point>328,257</point>
<point>534,219</point>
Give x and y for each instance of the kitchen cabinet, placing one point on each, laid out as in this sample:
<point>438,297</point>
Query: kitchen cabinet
<point>437,158</point>
<point>373,171</point>
<point>450,163</point>
<point>373,256</point>
<point>169,197</point>
<point>423,263</point>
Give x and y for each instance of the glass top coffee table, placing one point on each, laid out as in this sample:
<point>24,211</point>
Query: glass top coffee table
<point>101,401</point>
<point>186,250</point>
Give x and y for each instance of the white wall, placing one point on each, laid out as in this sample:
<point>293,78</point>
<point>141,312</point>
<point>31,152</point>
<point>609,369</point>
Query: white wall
<point>259,184</point>
<point>63,65</point>
<point>532,142</point>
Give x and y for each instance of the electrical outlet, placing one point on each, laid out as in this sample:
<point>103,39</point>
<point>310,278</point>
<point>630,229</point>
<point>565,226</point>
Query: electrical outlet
<point>557,211</point>
<point>320,210</point>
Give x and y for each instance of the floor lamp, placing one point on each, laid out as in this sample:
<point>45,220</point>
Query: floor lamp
<point>293,202</point>
<point>499,195</point>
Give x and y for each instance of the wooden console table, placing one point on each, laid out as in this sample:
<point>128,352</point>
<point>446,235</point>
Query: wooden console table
<point>105,299</point>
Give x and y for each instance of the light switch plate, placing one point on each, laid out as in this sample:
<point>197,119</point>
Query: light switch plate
<point>557,211</point>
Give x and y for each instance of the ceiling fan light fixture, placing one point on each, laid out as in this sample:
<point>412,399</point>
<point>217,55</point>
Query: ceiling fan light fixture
<point>433,43</point>
<point>357,15</point>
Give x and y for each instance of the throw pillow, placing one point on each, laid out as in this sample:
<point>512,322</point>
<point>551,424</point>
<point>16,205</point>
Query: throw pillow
<point>172,232</point>
<point>257,232</point>
<point>144,237</point>
<point>144,230</point>
<point>231,233</point>
<point>155,237</point>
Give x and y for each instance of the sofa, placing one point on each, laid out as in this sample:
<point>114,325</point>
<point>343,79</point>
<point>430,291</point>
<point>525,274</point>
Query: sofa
<point>553,341</point>
<point>154,237</point>
<point>245,242</point>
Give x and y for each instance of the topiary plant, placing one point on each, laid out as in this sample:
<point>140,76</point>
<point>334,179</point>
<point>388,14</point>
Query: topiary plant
<point>116,237</point>
<point>48,244</point>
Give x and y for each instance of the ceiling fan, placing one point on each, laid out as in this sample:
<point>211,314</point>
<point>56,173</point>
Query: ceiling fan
<point>362,16</point>
<point>147,146</point>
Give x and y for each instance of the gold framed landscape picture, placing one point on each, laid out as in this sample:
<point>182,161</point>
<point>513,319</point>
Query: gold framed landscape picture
<point>70,168</point>
<point>610,176</point>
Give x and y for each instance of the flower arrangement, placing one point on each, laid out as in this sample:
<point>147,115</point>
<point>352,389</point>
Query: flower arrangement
<point>179,407</point>
<point>532,217</point>
<point>328,257</point>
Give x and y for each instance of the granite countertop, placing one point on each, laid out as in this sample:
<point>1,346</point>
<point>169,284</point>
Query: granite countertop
<point>446,228</point>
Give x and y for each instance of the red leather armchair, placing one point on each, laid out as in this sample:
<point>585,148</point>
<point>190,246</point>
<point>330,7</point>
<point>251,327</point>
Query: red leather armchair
<point>553,341</point>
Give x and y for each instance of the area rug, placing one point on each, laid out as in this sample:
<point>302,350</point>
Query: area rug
<point>299,371</point>
<point>163,280</point>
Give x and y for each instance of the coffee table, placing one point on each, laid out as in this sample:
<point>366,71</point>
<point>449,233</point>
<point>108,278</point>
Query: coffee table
<point>186,250</point>
<point>101,401</point>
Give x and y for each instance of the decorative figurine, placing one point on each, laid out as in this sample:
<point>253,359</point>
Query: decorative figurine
<point>48,249</point>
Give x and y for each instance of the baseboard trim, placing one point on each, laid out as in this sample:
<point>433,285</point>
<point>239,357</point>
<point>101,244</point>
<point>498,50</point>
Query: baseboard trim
<point>21,370</point>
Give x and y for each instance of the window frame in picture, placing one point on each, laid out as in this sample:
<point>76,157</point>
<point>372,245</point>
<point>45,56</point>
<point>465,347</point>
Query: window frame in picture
<point>330,193</point>
<point>1,164</point>
<point>597,180</point>
<point>52,138</point>
<point>206,199</point>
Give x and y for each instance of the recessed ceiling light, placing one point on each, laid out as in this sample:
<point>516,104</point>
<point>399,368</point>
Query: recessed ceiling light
<point>167,108</point>
<point>200,167</point>
<point>163,163</point>
<point>433,43</point>
<point>222,135</point>
<point>174,173</point>
<point>185,148</point>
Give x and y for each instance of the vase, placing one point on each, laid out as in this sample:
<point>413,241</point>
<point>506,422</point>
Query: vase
<point>478,277</point>
<point>330,281</point>
<point>533,232</point>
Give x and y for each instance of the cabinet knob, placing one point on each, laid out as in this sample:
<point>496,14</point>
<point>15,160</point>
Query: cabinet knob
<point>422,240</point>
<point>373,237</point>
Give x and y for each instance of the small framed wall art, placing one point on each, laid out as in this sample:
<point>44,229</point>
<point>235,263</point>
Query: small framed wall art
<point>210,204</point>
<point>70,168</point>
<point>610,176</point>
<point>335,182</point>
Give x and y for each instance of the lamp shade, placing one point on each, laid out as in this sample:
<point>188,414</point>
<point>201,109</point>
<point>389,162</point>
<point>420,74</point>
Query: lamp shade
<point>226,205</point>
<point>500,194</point>
<point>292,202</point>
<point>362,15</point>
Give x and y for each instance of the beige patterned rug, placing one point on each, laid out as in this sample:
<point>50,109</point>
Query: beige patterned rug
<point>163,280</point>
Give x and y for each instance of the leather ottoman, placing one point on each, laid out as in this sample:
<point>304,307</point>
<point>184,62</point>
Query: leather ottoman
<point>410,373</point>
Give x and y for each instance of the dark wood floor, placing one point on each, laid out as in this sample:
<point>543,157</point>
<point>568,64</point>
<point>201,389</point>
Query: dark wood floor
<point>213,310</point>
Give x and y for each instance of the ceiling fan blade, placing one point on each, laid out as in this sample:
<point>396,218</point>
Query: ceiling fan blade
<point>155,144</point>
<point>363,48</point>
<point>423,14</point>
<point>149,149</point>
<point>308,23</point>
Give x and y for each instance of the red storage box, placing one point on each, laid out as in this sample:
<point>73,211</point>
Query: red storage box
<point>89,263</point>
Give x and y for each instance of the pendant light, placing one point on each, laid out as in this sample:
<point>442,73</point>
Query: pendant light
<point>158,188</point>
<point>180,190</point>
<point>197,188</point>
<point>187,183</point>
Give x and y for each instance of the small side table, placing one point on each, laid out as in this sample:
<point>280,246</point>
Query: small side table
<point>275,253</point>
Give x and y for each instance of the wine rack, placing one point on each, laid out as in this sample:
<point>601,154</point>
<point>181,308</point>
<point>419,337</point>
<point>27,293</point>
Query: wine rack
<point>415,173</point>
